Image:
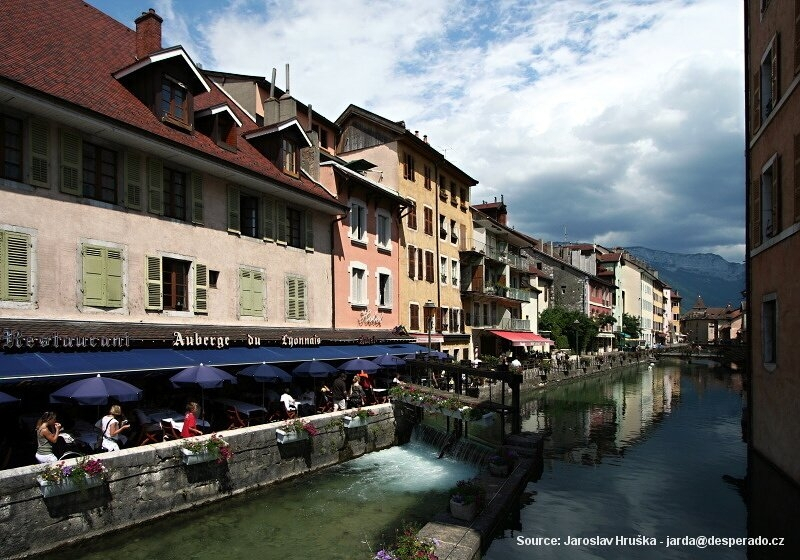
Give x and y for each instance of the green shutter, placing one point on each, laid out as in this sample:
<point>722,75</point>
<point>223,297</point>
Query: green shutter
<point>280,219</point>
<point>234,209</point>
<point>251,293</point>
<point>301,298</point>
<point>269,219</point>
<point>93,276</point>
<point>155,300</point>
<point>133,181</point>
<point>196,180</point>
<point>71,163</point>
<point>15,266</point>
<point>114,292</point>
<point>201,288</point>
<point>291,298</point>
<point>257,286</point>
<point>39,153</point>
<point>155,186</point>
<point>309,217</point>
<point>245,292</point>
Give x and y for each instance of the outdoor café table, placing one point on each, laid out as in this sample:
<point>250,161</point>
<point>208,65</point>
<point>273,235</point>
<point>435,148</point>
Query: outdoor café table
<point>178,424</point>
<point>156,415</point>
<point>305,407</point>
<point>87,433</point>
<point>243,407</point>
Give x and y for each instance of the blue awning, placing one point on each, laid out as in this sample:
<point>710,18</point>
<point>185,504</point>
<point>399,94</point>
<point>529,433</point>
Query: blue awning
<point>43,365</point>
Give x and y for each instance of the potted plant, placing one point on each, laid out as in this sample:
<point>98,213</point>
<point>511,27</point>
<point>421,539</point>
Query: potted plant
<point>466,499</point>
<point>408,546</point>
<point>62,477</point>
<point>295,430</point>
<point>203,450</point>
<point>501,463</point>
<point>359,418</point>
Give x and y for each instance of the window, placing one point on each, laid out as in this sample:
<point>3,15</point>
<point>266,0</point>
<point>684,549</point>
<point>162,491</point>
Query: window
<point>294,227</point>
<point>427,171</point>
<point>11,148</point>
<point>412,261</point>
<point>412,217</point>
<point>453,232</point>
<point>769,330</point>
<point>766,211</point>
<point>441,319</point>
<point>765,85</point>
<point>442,227</point>
<point>288,157</point>
<point>429,315</point>
<point>420,265</point>
<point>296,296</point>
<point>322,134</point>
<point>383,238</point>
<point>454,274</point>
<point>408,168</point>
<point>288,225</point>
<point>384,299</point>
<point>15,266</point>
<point>251,292</point>
<point>453,193</point>
<point>428,221</point>
<point>358,221</point>
<point>463,206</point>
<point>250,215</point>
<point>413,317</point>
<point>174,194</point>
<point>174,101</point>
<point>102,276</point>
<point>99,173</point>
<point>429,266</point>
<point>443,269</point>
<point>358,284</point>
<point>169,282</point>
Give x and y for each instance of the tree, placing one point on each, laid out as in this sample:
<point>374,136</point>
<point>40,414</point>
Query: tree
<point>631,325</point>
<point>565,331</point>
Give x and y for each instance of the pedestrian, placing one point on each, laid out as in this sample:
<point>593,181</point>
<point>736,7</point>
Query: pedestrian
<point>339,392</point>
<point>190,421</point>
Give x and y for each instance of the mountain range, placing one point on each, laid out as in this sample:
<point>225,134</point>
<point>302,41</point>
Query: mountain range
<point>718,281</point>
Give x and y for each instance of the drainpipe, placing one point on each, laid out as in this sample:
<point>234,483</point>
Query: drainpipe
<point>437,277</point>
<point>333,268</point>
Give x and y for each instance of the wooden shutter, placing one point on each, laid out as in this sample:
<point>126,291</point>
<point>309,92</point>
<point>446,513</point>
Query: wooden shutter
<point>39,153</point>
<point>133,181</point>
<point>234,209</point>
<point>114,280</point>
<point>93,276</point>
<point>200,288</point>
<point>773,74</point>
<point>756,100</point>
<point>420,265</point>
<point>155,299</point>
<point>196,182</point>
<point>15,266</point>
<point>155,186</point>
<point>302,294</point>
<point>269,219</point>
<point>776,196</point>
<point>291,298</point>
<point>413,312</point>
<point>71,163</point>
<point>429,272</point>
<point>280,222</point>
<point>309,220</point>
<point>797,177</point>
<point>755,190</point>
<point>257,291</point>
<point>412,265</point>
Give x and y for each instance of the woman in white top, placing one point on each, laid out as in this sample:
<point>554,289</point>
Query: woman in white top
<point>113,428</point>
<point>47,432</point>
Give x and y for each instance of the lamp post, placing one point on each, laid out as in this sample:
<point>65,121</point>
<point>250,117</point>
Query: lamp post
<point>577,337</point>
<point>429,325</point>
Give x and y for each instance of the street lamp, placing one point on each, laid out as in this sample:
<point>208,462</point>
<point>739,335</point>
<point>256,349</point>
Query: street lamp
<point>577,337</point>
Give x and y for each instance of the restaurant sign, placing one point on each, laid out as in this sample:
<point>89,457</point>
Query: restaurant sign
<point>15,340</point>
<point>292,341</point>
<point>197,340</point>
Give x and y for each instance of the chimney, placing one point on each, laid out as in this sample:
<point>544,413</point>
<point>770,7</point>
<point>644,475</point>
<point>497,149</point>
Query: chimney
<point>148,33</point>
<point>287,107</point>
<point>416,133</point>
<point>425,138</point>
<point>271,105</point>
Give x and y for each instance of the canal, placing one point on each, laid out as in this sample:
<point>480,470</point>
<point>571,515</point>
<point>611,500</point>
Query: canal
<point>653,452</point>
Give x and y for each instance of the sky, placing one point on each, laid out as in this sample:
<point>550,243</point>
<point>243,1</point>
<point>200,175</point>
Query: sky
<point>618,122</point>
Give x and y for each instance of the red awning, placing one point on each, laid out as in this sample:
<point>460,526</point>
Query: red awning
<point>523,338</point>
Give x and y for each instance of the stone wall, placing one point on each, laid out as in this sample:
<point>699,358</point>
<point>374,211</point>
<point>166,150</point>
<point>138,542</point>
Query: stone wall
<point>147,482</point>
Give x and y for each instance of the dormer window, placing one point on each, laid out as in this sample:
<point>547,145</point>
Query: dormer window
<point>281,144</point>
<point>174,100</point>
<point>289,157</point>
<point>220,124</point>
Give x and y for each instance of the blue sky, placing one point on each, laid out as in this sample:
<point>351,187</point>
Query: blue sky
<point>619,122</point>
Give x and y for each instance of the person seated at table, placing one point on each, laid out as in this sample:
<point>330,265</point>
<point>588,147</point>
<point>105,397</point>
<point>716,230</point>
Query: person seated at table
<point>47,432</point>
<point>289,403</point>
<point>190,421</point>
<point>112,428</point>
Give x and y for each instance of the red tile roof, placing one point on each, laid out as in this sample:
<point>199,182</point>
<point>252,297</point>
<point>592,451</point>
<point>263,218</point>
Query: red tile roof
<point>69,50</point>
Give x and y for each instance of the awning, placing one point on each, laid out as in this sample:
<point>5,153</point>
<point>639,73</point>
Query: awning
<point>423,339</point>
<point>23,366</point>
<point>518,338</point>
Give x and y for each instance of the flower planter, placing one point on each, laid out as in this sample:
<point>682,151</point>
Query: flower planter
<point>354,421</point>
<point>465,512</point>
<point>67,485</point>
<point>457,414</point>
<point>192,457</point>
<point>496,469</point>
<point>287,437</point>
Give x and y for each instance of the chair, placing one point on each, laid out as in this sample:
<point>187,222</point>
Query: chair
<point>168,430</point>
<point>151,433</point>
<point>234,420</point>
<point>276,412</point>
<point>326,405</point>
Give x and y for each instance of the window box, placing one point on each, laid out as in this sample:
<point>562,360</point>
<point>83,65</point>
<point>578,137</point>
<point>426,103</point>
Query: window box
<point>67,486</point>
<point>189,457</point>
<point>356,421</point>
<point>465,512</point>
<point>284,436</point>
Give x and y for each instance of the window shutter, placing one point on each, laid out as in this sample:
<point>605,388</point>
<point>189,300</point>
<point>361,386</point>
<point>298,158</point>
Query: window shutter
<point>200,288</point>
<point>301,298</point>
<point>755,189</point>
<point>269,219</point>
<point>388,294</point>
<point>114,264</point>
<point>155,186</point>
<point>196,180</point>
<point>93,281</point>
<point>39,138</point>
<point>257,289</point>
<point>155,300</point>
<point>15,266</point>
<point>291,298</point>
<point>776,194</point>
<point>412,266</point>
<point>133,181</point>
<point>797,177</point>
<point>234,209</point>
<point>245,292</point>
<point>756,100</point>
<point>773,74</point>
<point>309,219</point>
<point>71,163</point>
<point>280,219</point>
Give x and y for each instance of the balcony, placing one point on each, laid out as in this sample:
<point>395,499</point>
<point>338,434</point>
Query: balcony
<point>518,294</point>
<point>502,324</point>
<point>517,261</point>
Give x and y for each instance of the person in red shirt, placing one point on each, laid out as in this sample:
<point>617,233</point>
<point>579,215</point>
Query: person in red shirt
<point>190,421</point>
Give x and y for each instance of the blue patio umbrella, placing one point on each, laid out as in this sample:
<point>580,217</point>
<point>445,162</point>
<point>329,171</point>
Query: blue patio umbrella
<point>387,361</point>
<point>96,390</point>
<point>5,398</point>
<point>440,355</point>
<point>313,368</point>
<point>359,364</point>
<point>266,373</point>
<point>206,377</point>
